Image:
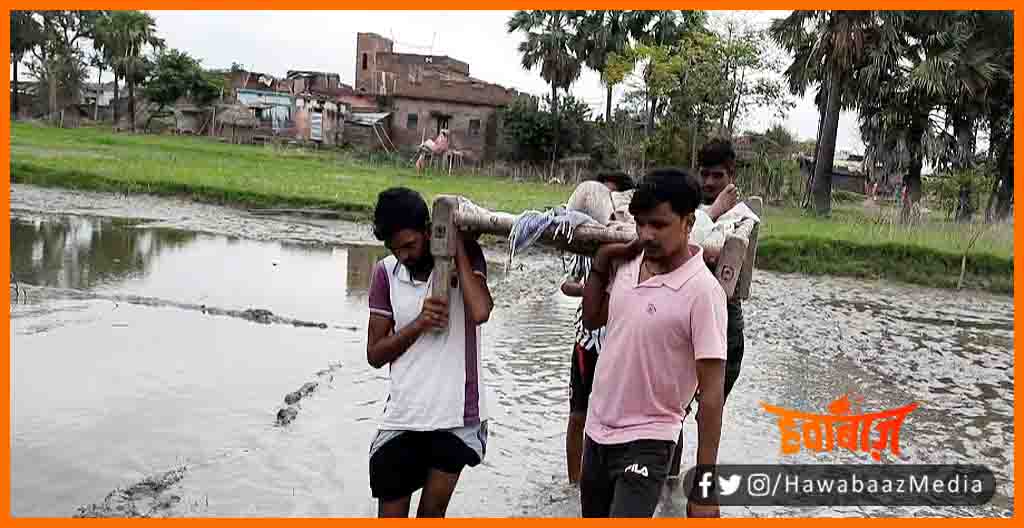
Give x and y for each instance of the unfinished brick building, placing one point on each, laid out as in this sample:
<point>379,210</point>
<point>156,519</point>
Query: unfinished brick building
<point>427,93</point>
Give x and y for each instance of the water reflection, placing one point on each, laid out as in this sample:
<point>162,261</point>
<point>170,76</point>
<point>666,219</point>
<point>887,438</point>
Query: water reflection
<point>83,252</point>
<point>117,412</point>
<point>359,268</point>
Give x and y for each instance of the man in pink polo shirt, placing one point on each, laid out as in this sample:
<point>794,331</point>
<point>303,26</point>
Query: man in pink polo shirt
<point>666,333</point>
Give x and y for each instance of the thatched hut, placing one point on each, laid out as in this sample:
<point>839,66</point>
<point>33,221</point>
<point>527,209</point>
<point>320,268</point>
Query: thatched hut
<point>236,123</point>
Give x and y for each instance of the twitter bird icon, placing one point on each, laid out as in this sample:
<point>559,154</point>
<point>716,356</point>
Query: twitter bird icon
<point>728,486</point>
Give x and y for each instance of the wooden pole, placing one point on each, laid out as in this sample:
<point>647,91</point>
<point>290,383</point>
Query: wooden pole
<point>585,241</point>
<point>733,271</point>
<point>747,272</point>
<point>442,243</point>
<point>732,257</point>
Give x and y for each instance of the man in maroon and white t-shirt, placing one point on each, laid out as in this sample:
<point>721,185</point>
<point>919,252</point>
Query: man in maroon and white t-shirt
<point>435,418</point>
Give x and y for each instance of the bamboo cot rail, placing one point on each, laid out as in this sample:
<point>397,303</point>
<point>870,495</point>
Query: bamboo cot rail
<point>734,269</point>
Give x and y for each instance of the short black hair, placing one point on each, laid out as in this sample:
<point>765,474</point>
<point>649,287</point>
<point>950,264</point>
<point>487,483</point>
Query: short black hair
<point>675,186</point>
<point>622,181</point>
<point>717,152</point>
<point>399,208</point>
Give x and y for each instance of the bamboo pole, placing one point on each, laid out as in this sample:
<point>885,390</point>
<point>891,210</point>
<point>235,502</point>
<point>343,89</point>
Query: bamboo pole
<point>585,240</point>
<point>733,269</point>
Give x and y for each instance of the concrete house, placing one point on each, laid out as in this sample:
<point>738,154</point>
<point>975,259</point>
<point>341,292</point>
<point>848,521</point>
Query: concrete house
<point>427,93</point>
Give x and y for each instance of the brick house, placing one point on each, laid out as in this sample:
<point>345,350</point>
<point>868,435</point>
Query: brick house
<point>305,105</point>
<point>427,93</point>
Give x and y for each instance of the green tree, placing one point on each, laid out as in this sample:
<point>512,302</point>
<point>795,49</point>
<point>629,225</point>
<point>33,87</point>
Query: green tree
<point>683,85</point>
<point>529,129</point>
<point>175,75</point>
<point>781,138</point>
<point>663,29</point>
<point>548,43</point>
<point>599,34</point>
<point>26,35</point>
<point>58,61</point>
<point>751,74</point>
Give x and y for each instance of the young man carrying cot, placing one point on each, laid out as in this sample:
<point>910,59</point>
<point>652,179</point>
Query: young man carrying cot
<point>435,418</point>
<point>717,161</point>
<point>665,315</point>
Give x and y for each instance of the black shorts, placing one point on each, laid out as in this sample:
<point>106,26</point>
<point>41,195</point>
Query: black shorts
<point>581,378</point>
<point>623,480</point>
<point>400,466</point>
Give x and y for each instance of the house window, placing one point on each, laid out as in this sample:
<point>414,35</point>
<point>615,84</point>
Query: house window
<point>412,122</point>
<point>442,124</point>
<point>474,127</point>
<point>364,61</point>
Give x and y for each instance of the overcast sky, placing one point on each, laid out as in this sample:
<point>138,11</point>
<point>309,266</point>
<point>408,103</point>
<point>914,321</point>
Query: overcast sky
<point>275,41</point>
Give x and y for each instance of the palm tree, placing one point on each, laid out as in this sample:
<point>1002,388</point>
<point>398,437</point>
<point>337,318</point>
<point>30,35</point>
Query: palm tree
<point>940,81</point>
<point>130,32</point>
<point>599,34</point>
<point>105,44</point>
<point>549,44</point>
<point>828,47</point>
<point>995,32</point>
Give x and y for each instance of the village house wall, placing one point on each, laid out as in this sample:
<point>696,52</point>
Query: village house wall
<point>363,136</point>
<point>368,46</point>
<point>468,125</point>
<point>429,87</point>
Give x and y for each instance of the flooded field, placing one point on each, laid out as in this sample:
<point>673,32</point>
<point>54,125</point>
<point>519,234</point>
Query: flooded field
<point>151,335</point>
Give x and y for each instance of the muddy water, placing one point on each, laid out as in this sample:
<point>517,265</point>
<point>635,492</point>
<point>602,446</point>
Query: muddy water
<point>131,356</point>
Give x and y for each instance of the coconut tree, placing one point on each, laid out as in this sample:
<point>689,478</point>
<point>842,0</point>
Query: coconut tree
<point>827,47</point>
<point>549,44</point>
<point>107,56</point>
<point>599,34</point>
<point>129,34</point>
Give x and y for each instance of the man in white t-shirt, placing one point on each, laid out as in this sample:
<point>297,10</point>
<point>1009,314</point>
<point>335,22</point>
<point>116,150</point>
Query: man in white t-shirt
<point>586,347</point>
<point>435,418</point>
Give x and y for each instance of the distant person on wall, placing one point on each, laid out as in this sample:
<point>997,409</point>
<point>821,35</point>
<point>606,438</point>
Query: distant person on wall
<point>433,147</point>
<point>435,418</point>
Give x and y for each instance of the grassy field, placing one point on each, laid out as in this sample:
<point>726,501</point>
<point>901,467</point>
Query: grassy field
<point>870,243</point>
<point>239,174</point>
<point>856,242</point>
